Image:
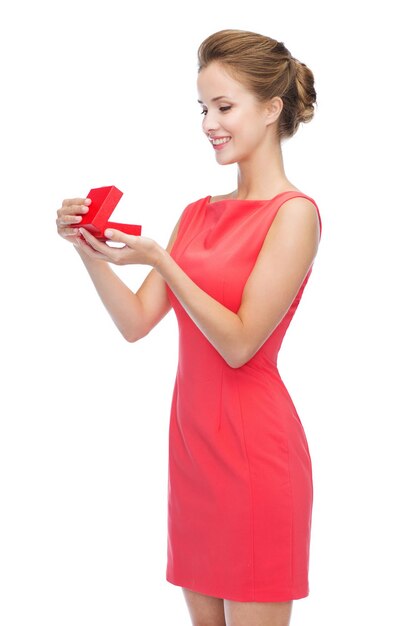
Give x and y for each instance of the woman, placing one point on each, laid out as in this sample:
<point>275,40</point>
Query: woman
<point>234,270</point>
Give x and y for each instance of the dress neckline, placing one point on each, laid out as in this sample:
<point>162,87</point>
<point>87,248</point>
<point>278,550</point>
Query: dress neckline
<point>250,200</point>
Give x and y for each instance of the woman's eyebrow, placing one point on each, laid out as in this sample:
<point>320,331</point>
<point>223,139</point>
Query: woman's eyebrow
<point>216,98</point>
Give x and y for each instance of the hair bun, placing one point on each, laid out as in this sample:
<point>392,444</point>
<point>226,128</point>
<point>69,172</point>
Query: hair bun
<point>307,96</point>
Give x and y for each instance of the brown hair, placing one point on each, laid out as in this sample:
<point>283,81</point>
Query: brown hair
<point>265,67</point>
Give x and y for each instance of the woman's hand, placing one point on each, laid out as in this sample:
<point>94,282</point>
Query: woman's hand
<point>136,250</point>
<point>69,215</point>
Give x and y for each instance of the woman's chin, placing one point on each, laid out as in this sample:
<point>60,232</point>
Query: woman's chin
<point>224,160</point>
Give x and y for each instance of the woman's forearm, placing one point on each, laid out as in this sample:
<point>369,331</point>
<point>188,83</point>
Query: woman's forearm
<point>222,327</point>
<point>123,305</point>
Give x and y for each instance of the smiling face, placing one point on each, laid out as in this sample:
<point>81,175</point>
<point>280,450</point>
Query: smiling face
<point>235,122</point>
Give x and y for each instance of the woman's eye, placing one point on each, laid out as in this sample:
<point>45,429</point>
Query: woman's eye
<point>222,109</point>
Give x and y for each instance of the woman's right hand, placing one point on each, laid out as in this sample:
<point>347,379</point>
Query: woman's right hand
<point>69,215</point>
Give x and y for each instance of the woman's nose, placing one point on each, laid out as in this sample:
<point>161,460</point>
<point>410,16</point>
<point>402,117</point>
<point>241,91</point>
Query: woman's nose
<point>210,123</point>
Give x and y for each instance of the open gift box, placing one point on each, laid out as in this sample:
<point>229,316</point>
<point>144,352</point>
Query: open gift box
<point>103,203</point>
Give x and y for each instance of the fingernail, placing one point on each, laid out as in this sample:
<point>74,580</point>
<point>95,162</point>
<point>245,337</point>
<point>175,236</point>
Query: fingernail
<point>84,209</point>
<point>87,201</point>
<point>108,233</point>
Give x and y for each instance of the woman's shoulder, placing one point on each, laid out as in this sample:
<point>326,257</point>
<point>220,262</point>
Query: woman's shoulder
<point>226,196</point>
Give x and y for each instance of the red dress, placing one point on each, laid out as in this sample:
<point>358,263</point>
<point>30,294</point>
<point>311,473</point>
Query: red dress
<point>240,483</point>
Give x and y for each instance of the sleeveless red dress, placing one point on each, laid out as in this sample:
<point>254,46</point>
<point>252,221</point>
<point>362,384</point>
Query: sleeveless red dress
<point>240,486</point>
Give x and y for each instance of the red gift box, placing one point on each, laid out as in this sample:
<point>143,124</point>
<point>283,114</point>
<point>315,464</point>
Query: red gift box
<point>103,203</point>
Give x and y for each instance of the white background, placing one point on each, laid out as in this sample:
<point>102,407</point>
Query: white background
<point>101,93</point>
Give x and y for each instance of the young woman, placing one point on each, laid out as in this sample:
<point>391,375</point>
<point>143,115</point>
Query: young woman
<point>234,270</point>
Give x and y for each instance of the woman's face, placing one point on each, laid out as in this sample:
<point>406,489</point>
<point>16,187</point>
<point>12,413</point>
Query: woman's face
<point>235,122</point>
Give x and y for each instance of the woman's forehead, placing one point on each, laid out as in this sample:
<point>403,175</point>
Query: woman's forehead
<point>215,82</point>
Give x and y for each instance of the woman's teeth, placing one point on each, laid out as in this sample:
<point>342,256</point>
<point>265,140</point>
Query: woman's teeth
<point>217,142</point>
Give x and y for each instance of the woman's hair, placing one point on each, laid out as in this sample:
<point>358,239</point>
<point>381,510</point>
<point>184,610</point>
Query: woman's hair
<point>267,69</point>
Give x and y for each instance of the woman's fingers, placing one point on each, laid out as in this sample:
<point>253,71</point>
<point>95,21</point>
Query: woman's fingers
<point>66,220</point>
<point>68,232</point>
<point>89,250</point>
<point>75,202</point>
<point>93,241</point>
<point>70,214</point>
<point>75,206</point>
<point>107,252</point>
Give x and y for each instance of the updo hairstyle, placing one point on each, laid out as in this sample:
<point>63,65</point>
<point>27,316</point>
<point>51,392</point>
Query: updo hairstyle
<point>265,67</point>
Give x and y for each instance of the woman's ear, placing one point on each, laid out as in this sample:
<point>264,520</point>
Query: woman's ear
<point>273,109</point>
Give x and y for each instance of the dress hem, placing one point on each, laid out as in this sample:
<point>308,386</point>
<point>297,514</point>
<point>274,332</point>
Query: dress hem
<point>257,596</point>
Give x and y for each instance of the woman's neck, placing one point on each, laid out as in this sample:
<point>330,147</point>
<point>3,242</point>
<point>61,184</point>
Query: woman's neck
<point>262,176</point>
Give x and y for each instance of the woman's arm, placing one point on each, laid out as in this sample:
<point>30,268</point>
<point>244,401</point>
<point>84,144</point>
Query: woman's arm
<point>285,258</point>
<point>135,314</point>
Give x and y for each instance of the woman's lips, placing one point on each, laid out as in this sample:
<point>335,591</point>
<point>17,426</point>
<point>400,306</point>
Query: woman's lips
<point>220,142</point>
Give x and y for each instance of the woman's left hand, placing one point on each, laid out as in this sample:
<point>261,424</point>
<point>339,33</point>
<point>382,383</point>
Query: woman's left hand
<point>136,250</point>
